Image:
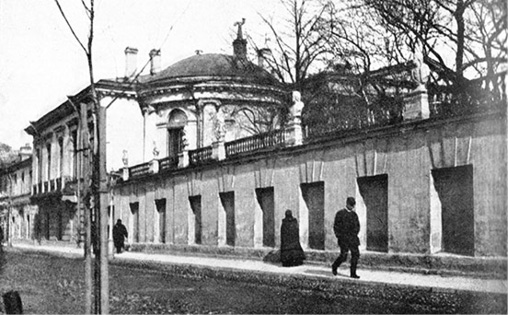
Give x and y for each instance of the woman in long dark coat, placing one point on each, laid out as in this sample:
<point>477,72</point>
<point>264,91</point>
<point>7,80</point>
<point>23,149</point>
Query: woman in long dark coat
<point>119,235</point>
<point>291,252</point>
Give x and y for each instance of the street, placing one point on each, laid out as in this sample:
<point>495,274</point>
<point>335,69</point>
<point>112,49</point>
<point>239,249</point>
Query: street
<point>50,284</point>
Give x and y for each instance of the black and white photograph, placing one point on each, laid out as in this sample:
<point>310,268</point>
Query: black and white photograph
<point>253,157</point>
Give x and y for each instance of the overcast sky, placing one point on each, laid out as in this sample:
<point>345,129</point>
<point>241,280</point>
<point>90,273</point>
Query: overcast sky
<point>41,62</point>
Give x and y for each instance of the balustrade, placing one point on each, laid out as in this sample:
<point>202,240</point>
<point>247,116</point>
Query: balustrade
<point>139,170</point>
<point>168,163</point>
<point>256,142</point>
<point>479,95</point>
<point>200,155</point>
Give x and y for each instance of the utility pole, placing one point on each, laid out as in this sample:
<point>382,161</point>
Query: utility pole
<point>100,194</point>
<point>83,166</point>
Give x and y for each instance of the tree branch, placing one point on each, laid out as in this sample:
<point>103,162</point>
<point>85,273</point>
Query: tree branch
<point>70,27</point>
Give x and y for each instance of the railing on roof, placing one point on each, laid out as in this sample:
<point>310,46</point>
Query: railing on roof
<point>257,142</point>
<point>139,170</point>
<point>354,123</point>
<point>475,96</point>
<point>168,163</point>
<point>201,155</point>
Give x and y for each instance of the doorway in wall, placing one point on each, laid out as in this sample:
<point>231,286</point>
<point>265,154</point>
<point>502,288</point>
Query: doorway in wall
<point>265,197</point>
<point>454,187</point>
<point>228,204</point>
<point>374,191</point>
<point>160,205</point>
<point>314,196</point>
<point>195,203</point>
<point>59,222</point>
<point>28,228</point>
<point>47,224</point>
<point>134,225</point>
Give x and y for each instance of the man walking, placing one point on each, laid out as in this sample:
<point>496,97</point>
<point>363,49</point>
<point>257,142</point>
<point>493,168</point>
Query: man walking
<point>346,228</point>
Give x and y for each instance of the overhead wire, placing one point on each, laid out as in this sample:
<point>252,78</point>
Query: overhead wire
<point>134,80</point>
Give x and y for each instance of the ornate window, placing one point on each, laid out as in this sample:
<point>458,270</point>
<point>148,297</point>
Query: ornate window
<point>177,122</point>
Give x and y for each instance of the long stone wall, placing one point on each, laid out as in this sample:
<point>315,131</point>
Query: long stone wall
<point>313,180</point>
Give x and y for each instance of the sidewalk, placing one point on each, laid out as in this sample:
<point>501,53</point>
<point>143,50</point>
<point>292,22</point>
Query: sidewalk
<point>392,278</point>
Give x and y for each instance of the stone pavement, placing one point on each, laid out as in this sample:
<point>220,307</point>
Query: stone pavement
<point>312,271</point>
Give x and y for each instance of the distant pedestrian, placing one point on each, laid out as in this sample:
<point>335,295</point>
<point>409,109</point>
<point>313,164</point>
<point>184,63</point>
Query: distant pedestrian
<point>346,228</point>
<point>291,252</point>
<point>119,235</point>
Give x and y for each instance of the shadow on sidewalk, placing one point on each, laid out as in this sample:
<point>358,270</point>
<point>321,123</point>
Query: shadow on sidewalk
<point>273,257</point>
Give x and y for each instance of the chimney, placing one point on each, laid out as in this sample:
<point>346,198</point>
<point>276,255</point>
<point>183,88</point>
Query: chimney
<point>240,44</point>
<point>155,61</point>
<point>130,62</point>
<point>263,55</point>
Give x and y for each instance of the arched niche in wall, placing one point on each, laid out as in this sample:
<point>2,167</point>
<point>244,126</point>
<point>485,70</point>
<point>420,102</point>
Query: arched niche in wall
<point>177,120</point>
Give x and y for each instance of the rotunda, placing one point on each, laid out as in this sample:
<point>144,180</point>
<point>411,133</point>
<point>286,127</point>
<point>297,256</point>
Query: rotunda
<point>209,97</point>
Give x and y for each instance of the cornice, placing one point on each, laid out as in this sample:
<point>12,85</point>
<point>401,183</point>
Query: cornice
<point>210,84</point>
<point>101,93</point>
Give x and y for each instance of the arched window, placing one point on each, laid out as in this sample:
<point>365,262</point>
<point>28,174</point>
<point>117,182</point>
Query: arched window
<point>177,121</point>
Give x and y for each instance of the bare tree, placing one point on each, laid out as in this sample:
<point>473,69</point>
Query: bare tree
<point>471,30</point>
<point>257,119</point>
<point>358,41</point>
<point>488,19</point>
<point>98,176</point>
<point>296,41</point>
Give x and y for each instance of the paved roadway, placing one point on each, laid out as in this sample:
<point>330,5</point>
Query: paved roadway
<point>312,271</point>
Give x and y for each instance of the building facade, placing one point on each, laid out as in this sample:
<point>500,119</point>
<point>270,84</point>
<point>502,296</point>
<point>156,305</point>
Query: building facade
<point>17,213</point>
<point>208,154</point>
<point>192,104</point>
<point>422,187</point>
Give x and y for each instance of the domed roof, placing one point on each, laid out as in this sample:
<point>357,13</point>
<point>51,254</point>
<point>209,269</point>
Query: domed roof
<point>214,65</point>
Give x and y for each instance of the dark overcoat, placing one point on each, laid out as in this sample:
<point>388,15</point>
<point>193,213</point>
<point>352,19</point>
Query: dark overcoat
<point>346,228</point>
<point>119,234</point>
<point>291,252</point>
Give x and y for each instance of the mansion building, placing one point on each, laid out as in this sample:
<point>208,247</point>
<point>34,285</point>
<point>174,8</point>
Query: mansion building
<point>208,154</point>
